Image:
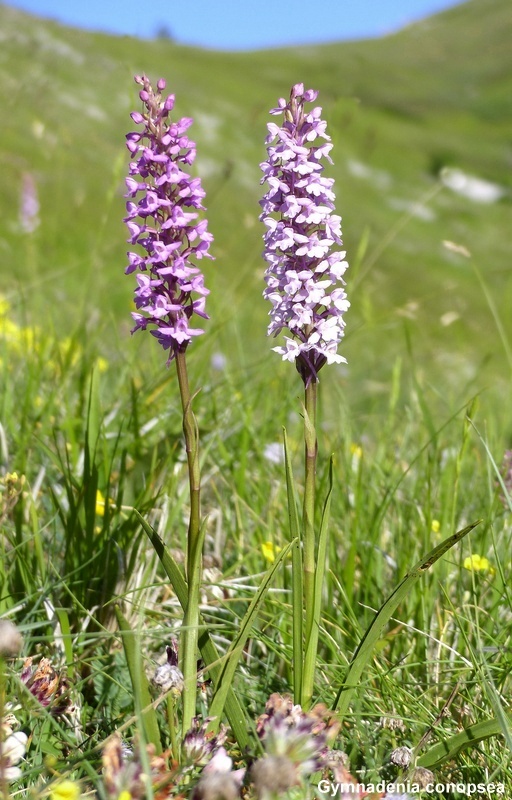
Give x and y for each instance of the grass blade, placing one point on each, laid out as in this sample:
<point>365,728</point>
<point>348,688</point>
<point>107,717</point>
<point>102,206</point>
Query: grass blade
<point>297,588</point>
<point>66,638</point>
<point>139,681</point>
<point>92,432</point>
<point>312,635</point>
<point>225,679</point>
<point>372,635</point>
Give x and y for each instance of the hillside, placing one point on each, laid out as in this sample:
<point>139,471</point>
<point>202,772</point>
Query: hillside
<point>400,109</point>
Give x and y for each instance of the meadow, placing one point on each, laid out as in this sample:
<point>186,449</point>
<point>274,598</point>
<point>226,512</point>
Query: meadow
<point>412,431</point>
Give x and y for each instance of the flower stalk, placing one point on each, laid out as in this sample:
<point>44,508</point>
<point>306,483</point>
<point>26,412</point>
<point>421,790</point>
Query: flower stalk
<point>309,539</point>
<point>163,220</point>
<point>304,283</point>
<point>194,547</point>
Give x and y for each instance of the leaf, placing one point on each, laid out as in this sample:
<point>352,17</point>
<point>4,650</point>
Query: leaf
<point>367,644</point>
<point>225,679</point>
<point>111,681</point>
<point>451,747</point>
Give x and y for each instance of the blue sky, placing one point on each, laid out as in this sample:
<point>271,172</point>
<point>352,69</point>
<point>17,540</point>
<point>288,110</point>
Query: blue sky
<point>239,24</point>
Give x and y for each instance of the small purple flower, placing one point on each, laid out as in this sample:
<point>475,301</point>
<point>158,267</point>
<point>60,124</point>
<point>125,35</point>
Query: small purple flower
<point>304,273</point>
<point>295,744</point>
<point>162,218</point>
<point>29,206</point>
<point>168,677</point>
<point>198,745</point>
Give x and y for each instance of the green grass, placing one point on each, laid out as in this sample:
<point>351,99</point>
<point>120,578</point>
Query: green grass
<point>451,630</point>
<point>416,422</point>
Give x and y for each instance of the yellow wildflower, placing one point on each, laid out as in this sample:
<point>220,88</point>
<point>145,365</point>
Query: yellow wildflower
<point>270,550</point>
<point>101,364</point>
<point>478,563</point>
<point>100,503</point>
<point>436,526</point>
<point>66,790</point>
<point>356,450</point>
<point>70,350</point>
<point>9,330</point>
<point>19,339</point>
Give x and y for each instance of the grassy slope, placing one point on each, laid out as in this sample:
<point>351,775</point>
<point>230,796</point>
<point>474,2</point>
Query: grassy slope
<point>434,94</point>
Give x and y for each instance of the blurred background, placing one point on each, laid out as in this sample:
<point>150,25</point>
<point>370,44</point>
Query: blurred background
<point>420,120</point>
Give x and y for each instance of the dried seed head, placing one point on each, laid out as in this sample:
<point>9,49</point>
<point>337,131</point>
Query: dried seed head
<point>422,776</point>
<point>169,678</point>
<point>401,757</point>
<point>392,723</point>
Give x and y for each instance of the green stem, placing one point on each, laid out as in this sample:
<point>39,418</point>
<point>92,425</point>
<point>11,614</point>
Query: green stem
<point>171,717</point>
<point>309,564</point>
<point>194,549</point>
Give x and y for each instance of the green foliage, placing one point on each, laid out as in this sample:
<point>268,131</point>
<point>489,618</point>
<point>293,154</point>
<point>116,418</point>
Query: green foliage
<point>90,419</point>
<point>371,636</point>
